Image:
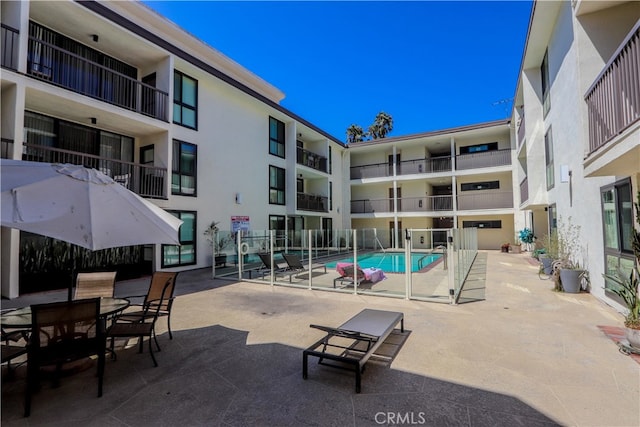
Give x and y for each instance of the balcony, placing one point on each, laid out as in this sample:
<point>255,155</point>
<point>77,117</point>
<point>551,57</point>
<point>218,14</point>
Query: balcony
<point>65,69</point>
<point>485,200</point>
<point>485,159</point>
<point>613,101</point>
<point>311,160</point>
<point>405,204</point>
<point>10,47</point>
<point>406,167</point>
<point>524,190</point>
<point>146,181</point>
<point>312,202</point>
<point>6,148</point>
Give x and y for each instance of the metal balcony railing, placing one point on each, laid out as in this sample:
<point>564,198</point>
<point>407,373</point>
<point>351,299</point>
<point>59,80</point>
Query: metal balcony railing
<point>66,69</point>
<point>405,167</point>
<point>405,204</point>
<point>613,101</point>
<point>524,190</point>
<point>311,159</point>
<point>485,159</point>
<point>312,202</point>
<point>6,148</point>
<point>9,47</point>
<point>147,181</point>
<point>485,200</point>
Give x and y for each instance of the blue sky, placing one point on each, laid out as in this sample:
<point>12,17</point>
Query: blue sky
<point>430,65</point>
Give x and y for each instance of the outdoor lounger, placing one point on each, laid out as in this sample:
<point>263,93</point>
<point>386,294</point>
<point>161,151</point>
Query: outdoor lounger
<point>350,345</point>
<point>296,267</point>
<point>348,274</point>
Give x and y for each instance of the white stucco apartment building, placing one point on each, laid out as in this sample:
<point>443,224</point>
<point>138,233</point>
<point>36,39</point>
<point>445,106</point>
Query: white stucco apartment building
<point>115,86</point>
<point>576,124</point>
<point>452,178</point>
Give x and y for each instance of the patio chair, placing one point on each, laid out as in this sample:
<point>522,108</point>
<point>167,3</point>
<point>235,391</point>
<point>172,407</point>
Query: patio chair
<point>14,345</point>
<point>145,324</point>
<point>95,285</point>
<point>296,267</point>
<point>156,289</point>
<point>267,266</point>
<point>64,332</point>
<point>348,274</point>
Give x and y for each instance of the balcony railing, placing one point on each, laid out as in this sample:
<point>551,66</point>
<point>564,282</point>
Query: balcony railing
<point>524,190</point>
<point>485,159</point>
<point>147,181</point>
<point>10,47</point>
<point>485,200</point>
<point>7,148</point>
<point>312,202</point>
<point>405,167</point>
<point>405,204</point>
<point>613,101</point>
<point>63,68</point>
<point>312,160</point>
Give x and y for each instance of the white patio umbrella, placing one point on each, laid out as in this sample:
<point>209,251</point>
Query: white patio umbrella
<point>80,206</point>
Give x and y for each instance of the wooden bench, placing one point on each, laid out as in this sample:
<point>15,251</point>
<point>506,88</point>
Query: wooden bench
<point>350,345</point>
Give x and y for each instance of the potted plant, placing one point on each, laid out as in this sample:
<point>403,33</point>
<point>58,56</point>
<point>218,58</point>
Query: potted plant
<point>217,242</point>
<point>627,286</point>
<point>525,236</point>
<point>548,254</point>
<point>505,247</point>
<point>568,273</point>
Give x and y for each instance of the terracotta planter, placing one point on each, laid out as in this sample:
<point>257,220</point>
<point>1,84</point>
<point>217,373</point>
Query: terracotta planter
<point>633,336</point>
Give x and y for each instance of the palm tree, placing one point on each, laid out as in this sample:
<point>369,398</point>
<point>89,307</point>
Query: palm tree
<point>382,125</point>
<point>355,133</point>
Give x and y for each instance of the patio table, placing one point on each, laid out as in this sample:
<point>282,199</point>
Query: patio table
<point>21,317</point>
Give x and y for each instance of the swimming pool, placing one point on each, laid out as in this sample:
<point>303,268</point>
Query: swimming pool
<point>390,262</point>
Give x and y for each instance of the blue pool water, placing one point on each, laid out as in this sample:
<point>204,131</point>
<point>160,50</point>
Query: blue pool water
<point>390,262</point>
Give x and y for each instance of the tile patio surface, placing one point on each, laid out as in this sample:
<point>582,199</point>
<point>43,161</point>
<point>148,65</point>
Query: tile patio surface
<point>523,356</point>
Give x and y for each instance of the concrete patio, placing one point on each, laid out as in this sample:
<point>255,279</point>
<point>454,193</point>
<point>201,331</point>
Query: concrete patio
<point>523,356</point>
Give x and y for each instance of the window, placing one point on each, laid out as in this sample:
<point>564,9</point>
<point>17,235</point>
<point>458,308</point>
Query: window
<point>480,148</point>
<point>185,254</point>
<point>482,224</point>
<point>330,195</point>
<point>546,84</point>
<point>548,155</point>
<point>277,222</point>
<point>617,224</point>
<point>276,186</point>
<point>330,161</point>
<point>276,137</point>
<point>472,186</point>
<point>183,172</point>
<point>185,100</point>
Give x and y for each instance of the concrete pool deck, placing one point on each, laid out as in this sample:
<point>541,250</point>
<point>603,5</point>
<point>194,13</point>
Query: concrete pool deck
<point>523,356</point>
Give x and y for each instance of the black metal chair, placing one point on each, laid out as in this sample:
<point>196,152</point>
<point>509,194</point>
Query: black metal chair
<point>64,332</point>
<point>144,326</point>
<point>159,280</point>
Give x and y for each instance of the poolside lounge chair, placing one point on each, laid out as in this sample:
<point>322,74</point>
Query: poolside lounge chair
<point>348,275</point>
<point>366,331</point>
<point>267,266</point>
<point>296,267</point>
